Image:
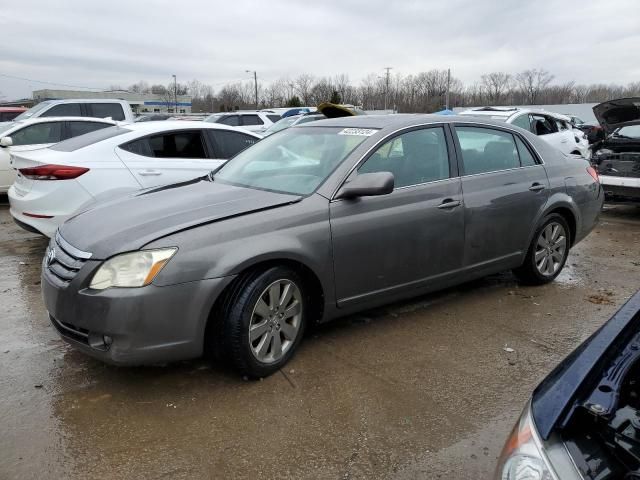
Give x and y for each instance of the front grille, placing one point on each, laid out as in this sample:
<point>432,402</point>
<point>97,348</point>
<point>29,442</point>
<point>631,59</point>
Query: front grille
<point>68,330</point>
<point>63,260</point>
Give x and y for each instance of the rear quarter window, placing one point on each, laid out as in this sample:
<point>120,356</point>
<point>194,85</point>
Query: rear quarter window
<point>82,141</point>
<point>104,110</point>
<point>274,118</point>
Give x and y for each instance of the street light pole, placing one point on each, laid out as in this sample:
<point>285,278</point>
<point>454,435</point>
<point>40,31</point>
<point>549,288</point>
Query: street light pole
<point>255,82</point>
<point>175,93</point>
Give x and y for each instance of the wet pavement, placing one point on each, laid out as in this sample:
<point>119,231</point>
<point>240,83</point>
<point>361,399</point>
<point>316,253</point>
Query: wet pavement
<point>421,389</point>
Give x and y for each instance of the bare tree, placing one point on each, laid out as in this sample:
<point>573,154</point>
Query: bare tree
<point>303,85</point>
<point>532,82</point>
<point>496,85</point>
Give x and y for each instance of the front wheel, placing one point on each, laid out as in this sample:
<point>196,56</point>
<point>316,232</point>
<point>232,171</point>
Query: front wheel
<point>547,253</point>
<point>265,322</point>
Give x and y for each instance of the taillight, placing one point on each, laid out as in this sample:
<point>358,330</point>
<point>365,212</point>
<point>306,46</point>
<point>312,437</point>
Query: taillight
<point>592,171</point>
<point>52,172</point>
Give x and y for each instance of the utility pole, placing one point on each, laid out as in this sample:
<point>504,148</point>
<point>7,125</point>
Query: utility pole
<point>175,93</point>
<point>448,85</point>
<point>255,81</point>
<point>386,92</point>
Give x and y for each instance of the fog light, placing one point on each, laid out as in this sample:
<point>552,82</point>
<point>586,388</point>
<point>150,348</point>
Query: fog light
<point>99,341</point>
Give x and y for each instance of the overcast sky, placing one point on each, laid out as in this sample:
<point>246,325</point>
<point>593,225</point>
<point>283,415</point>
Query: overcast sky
<point>97,44</point>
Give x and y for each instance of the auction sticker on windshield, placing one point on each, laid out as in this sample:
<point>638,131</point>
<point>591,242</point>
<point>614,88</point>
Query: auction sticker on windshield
<point>362,132</point>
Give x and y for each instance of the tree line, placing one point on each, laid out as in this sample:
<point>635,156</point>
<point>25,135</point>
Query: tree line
<point>421,92</point>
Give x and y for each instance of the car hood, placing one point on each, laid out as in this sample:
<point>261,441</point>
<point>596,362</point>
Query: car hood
<point>131,222</point>
<point>618,113</point>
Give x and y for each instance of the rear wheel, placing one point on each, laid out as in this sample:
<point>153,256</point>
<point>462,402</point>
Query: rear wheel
<point>547,253</point>
<point>264,322</point>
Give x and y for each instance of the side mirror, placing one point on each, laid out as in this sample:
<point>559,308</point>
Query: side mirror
<point>368,185</point>
<point>6,142</point>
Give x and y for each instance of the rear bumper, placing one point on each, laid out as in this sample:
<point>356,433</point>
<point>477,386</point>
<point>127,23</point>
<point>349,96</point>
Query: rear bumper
<point>131,326</point>
<point>621,187</point>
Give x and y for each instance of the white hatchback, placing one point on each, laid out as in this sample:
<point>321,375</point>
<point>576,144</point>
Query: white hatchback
<point>23,135</point>
<point>554,128</point>
<point>55,183</point>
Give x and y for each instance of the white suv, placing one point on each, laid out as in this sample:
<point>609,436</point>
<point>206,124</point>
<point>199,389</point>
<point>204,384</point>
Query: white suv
<point>248,120</point>
<point>119,110</point>
<point>554,128</point>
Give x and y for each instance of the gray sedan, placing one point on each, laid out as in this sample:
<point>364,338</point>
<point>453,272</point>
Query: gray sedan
<point>311,223</point>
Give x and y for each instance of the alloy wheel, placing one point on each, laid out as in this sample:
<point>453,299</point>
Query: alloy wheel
<point>550,249</point>
<point>275,321</point>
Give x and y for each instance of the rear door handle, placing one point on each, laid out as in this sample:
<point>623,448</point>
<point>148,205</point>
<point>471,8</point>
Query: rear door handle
<point>449,203</point>
<point>149,173</point>
<point>536,187</point>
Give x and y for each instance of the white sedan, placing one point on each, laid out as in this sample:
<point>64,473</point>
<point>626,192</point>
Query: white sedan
<point>23,135</point>
<point>55,183</point>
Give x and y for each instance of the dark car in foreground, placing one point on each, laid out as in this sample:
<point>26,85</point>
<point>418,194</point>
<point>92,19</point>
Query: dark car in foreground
<point>583,421</point>
<point>617,157</point>
<point>312,223</point>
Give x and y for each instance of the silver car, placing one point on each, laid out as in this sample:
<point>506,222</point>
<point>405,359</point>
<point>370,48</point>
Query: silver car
<point>312,223</point>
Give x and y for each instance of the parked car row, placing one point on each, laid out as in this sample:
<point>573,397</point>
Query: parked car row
<point>554,128</point>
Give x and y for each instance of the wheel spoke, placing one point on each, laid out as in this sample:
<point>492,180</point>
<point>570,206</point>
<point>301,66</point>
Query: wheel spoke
<point>262,309</point>
<point>554,233</point>
<point>560,243</point>
<point>543,264</point>
<point>276,348</point>
<point>542,243</point>
<point>263,346</point>
<point>287,293</point>
<point>557,256</point>
<point>548,232</point>
<point>274,295</point>
<point>551,267</point>
<point>289,331</point>
<point>539,255</point>
<point>292,310</point>
<point>258,330</point>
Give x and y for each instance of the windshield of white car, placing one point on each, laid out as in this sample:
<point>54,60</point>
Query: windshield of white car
<point>630,131</point>
<point>296,160</point>
<point>281,124</point>
<point>6,126</point>
<point>87,139</point>
<point>33,110</point>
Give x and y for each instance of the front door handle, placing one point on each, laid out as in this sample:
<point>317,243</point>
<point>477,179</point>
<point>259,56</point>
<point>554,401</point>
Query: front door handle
<point>536,187</point>
<point>449,203</point>
<point>149,173</point>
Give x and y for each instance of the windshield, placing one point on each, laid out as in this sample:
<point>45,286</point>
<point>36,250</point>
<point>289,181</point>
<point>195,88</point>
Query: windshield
<point>281,125</point>
<point>630,131</point>
<point>295,160</point>
<point>33,110</point>
<point>4,126</point>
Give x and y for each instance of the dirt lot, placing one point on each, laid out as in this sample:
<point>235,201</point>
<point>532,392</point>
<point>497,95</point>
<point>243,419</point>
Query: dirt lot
<point>423,389</point>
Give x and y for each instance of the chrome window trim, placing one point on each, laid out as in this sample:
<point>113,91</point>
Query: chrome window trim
<point>499,171</point>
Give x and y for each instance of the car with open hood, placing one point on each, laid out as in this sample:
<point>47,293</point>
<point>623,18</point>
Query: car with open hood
<point>583,420</point>
<point>617,157</point>
<point>311,223</point>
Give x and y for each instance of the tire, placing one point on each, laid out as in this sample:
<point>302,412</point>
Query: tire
<point>272,306</point>
<point>545,259</point>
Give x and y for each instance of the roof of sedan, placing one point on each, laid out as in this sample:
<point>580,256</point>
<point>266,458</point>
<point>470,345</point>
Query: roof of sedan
<point>395,121</point>
<point>178,125</point>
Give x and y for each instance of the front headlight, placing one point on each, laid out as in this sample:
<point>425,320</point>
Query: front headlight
<point>604,151</point>
<point>135,269</point>
<point>522,457</point>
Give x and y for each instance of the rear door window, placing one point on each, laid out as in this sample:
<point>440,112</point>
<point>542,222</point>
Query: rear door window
<point>80,128</point>
<point>526,157</point>
<point>228,144</point>
<point>274,118</point>
<point>486,150</point>
<point>46,132</point>
<point>64,110</point>
<point>543,125</point>
<point>105,110</point>
<point>231,120</point>
<point>251,120</point>
<point>184,144</point>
